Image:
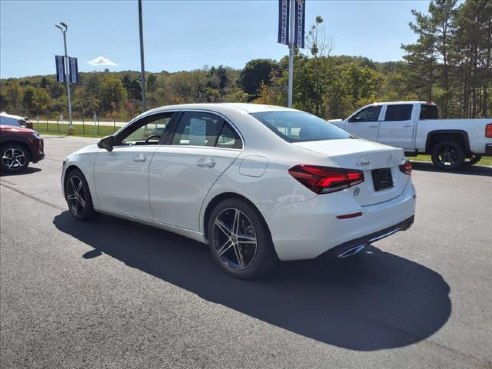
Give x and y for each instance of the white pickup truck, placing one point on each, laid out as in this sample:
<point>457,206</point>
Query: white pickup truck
<point>414,126</point>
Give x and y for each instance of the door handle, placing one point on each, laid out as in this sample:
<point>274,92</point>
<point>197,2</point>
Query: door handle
<point>205,163</point>
<point>139,158</point>
<point>373,126</point>
<point>408,125</point>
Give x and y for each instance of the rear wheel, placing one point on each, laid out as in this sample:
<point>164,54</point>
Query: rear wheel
<point>14,158</point>
<point>239,240</point>
<point>78,196</point>
<point>448,155</point>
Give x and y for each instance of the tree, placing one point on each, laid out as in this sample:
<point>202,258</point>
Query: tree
<point>473,46</point>
<point>442,14</point>
<point>113,94</point>
<point>27,100</point>
<point>317,42</point>
<point>422,55</point>
<point>255,73</point>
<point>132,87</point>
<point>12,93</point>
<point>151,83</point>
<point>453,54</point>
<point>40,101</point>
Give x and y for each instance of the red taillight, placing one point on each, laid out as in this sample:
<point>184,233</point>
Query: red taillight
<point>324,179</point>
<point>488,130</point>
<point>406,168</point>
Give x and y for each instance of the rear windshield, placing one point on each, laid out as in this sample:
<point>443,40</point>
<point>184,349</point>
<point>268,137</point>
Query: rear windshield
<point>297,126</point>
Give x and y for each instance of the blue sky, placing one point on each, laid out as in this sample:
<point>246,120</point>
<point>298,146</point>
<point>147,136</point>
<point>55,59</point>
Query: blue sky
<point>187,34</point>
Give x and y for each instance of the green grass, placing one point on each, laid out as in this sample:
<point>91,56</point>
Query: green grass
<point>88,130</point>
<point>486,160</point>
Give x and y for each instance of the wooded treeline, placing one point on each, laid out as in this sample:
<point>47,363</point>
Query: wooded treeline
<point>450,64</point>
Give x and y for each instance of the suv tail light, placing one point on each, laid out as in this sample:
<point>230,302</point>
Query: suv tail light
<point>406,168</point>
<point>488,130</point>
<point>325,179</point>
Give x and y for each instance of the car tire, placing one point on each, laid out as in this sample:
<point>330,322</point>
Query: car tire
<point>448,155</point>
<point>78,196</point>
<point>239,240</point>
<point>14,158</point>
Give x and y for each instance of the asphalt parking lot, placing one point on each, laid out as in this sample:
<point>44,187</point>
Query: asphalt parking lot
<point>113,294</point>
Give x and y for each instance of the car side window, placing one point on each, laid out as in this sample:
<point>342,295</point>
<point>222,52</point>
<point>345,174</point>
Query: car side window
<point>428,112</point>
<point>228,138</point>
<point>148,130</point>
<point>398,112</point>
<point>369,114</point>
<point>205,129</point>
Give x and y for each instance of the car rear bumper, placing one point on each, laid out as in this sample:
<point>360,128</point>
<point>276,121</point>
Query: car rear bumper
<point>354,246</point>
<point>488,150</point>
<point>308,229</point>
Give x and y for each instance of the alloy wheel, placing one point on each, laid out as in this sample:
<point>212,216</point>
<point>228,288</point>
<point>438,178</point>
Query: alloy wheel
<point>75,195</point>
<point>235,239</point>
<point>14,159</point>
<point>448,155</point>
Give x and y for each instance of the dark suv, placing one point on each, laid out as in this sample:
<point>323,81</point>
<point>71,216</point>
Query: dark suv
<point>18,147</point>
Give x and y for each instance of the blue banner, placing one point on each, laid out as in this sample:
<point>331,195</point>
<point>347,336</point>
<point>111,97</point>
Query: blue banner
<point>300,15</point>
<point>60,68</point>
<point>283,21</point>
<point>73,70</point>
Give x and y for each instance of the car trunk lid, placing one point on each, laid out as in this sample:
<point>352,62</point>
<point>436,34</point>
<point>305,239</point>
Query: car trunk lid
<point>383,179</point>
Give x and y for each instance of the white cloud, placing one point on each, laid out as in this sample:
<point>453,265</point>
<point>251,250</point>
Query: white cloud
<point>101,61</point>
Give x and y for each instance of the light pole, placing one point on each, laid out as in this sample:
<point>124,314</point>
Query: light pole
<point>290,85</point>
<point>142,65</point>
<point>63,27</point>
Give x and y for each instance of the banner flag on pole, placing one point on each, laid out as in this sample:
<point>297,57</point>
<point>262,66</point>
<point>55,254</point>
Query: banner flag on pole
<point>74,70</point>
<point>60,68</point>
<point>300,15</point>
<point>283,21</point>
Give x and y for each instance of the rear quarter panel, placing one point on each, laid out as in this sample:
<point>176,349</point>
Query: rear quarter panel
<point>473,128</point>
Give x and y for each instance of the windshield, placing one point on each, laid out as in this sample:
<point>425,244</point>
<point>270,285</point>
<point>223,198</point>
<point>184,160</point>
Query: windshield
<point>297,126</point>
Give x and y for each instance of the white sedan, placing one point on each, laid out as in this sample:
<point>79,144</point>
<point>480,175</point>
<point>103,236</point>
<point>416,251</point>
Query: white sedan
<point>257,183</point>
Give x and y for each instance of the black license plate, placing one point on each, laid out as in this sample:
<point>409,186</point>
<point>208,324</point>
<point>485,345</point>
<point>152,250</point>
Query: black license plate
<point>382,179</point>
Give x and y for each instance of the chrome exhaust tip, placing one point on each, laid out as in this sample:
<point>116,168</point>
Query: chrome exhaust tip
<point>352,251</point>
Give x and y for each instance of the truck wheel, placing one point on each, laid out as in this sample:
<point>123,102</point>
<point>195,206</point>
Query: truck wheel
<point>473,159</point>
<point>448,155</point>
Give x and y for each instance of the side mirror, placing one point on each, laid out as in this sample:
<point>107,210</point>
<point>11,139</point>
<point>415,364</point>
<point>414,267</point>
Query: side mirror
<point>354,119</point>
<point>106,143</point>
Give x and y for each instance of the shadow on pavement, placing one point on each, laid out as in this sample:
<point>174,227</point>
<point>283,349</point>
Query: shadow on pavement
<point>372,301</point>
<point>28,170</point>
<point>475,170</point>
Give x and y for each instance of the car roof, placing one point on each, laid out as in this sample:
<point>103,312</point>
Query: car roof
<point>221,108</point>
<point>403,102</point>
<point>5,115</point>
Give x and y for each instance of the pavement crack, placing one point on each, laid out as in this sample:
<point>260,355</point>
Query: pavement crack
<point>3,183</point>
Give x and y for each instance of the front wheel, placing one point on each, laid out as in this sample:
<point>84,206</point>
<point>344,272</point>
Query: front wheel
<point>448,155</point>
<point>15,158</point>
<point>78,196</point>
<point>239,240</point>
